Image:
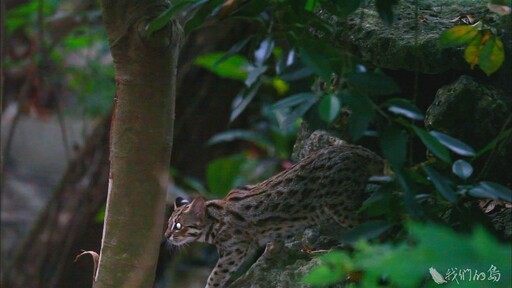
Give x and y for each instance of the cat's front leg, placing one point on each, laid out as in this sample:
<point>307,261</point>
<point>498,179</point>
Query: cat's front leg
<point>228,263</point>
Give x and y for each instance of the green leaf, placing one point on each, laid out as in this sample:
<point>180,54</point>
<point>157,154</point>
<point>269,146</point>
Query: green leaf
<point>440,183</point>
<point>368,230</point>
<point>458,35</point>
<point>486,189</point>
<point>330,271</point>
<point>385,9</point>
<point>236,67</point>
<point>454,144</point>
<point>293,100</point>
<point>222,173</point>
<point>491,55</point>
<point>473,50</point>
<point>242,100</point>
<point>362,112</point>
<point>462,169</point>
<point>373,83</point>
<point>238,134</point>
<point>310,5</point>
<point>393,142</point>
<point>405,108</point>
<point>432,144</point>
<point>100,215</point>
<point>164,18</point>
<point>329,108</point>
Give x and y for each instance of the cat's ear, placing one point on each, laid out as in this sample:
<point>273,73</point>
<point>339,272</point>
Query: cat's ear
<point>180,202</point>
<point>198,207</point>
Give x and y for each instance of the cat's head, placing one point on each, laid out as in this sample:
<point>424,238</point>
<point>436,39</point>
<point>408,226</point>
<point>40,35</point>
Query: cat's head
<point>186,222</point>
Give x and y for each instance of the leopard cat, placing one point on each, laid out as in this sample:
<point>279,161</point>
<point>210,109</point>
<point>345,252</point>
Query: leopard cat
<point>328,184</point>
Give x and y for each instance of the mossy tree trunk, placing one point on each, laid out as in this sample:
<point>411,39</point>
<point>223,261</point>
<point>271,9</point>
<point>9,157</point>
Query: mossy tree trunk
<point>141,141</point>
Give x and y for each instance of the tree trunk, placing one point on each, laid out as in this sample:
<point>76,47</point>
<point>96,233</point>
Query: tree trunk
<point>141,141</point>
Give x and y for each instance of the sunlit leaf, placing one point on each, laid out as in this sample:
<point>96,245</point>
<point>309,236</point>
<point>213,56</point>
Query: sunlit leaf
<point>458,35</point>
<point>236,67</point>
<point>393,142</point>
<point>453,144</point>
<point>281,86</point>
<point>462,169</point>
<point>432,144</point>
<point>329,107</point>
<point>473,50</point>
<point>310,5</point>
<point>491,55</point>
<point>405,108</point>
<point>440,183</point>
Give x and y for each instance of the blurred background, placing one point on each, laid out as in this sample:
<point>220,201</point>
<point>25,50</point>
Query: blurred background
<point>238,117</point>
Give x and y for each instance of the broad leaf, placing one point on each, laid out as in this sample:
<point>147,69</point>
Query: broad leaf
<point>440,183</point>
<point>206,10</point>
<point>405,108</point>
<point>454,144</point>
<point>410,190</point>
<point>432,144</point>
<point>491,55</point>
<point>502,136</point>
<point>329,107</point>
<point>473,50</point>
<point>458,35</point>
<point>298,112</point>
<point>462,169</point>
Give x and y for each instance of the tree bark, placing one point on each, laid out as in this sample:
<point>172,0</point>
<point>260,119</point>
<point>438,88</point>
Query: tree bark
<point>141,141</point>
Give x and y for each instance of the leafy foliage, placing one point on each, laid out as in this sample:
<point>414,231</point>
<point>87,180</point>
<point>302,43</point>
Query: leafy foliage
<point>407,265</point>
